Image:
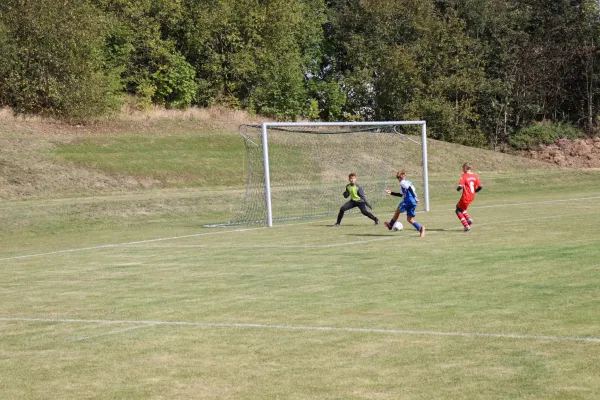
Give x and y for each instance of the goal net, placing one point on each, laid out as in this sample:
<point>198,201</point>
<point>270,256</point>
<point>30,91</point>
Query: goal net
<point>300,170</point>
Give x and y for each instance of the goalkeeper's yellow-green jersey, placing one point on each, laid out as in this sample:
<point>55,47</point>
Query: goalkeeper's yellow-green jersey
<point>356,192</point>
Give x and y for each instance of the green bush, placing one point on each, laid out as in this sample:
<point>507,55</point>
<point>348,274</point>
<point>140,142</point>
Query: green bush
<point>175,82</point>
<point>542,133</point>
<point>54,62</point>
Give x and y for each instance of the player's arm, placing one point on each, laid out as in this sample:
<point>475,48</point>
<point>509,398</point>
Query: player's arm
<point>411,189</point>
<point>478,186</point>
<point>346,192</point>
<point>388,191</point>
<point>361,194</point>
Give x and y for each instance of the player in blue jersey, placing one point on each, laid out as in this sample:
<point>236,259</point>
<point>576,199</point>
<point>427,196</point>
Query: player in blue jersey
<point>408,204</point>
<point>357,199</point>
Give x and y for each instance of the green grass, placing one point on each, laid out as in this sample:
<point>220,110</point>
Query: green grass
<point>123,294</point>
<point>178,160</point>
<point>528,269</point>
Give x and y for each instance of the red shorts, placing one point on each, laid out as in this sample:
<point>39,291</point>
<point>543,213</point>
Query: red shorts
<point>463,205</point>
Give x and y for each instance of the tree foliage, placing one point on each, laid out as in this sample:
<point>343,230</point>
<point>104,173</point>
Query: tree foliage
<point>54,59</point>
<point>480,72</point>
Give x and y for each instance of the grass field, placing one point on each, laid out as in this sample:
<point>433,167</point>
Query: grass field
<point>123,294</point>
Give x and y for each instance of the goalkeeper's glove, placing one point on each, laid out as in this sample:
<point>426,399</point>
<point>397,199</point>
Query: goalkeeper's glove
<point>346,194</point>
<point>368,205</point>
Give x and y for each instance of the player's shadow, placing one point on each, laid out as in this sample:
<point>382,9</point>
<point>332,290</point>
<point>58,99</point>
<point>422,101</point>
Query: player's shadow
<point>371,234</point>
<point>341,226</point>
<point>436,230</point>
<point>390,233</point>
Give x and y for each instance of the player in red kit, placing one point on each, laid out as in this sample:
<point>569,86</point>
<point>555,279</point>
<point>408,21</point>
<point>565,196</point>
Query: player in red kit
<point>469,184</point>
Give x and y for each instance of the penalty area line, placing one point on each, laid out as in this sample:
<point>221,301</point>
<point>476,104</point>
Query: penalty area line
<point>107,246</point>
<point>308,328</point>
<point>110,333</point>
<point>275,246</point>
<point>527,203</point>
<point>538,202</point>
<point>137,242</point>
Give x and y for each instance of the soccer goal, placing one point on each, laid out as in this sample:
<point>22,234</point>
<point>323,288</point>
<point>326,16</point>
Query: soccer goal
<point>299,170</point>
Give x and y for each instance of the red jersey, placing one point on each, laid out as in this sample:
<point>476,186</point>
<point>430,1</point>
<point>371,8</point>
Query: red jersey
<point>469,182</point>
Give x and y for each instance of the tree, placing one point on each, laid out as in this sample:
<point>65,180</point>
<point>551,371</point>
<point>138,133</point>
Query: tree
<point>369,53</point>
<point>291,37</point>
<point>144,41</point>
<point>54,60</point>
<point>403,59</point>
<point>452,77</point>
<point>498,28</point>
<point>541,57</point>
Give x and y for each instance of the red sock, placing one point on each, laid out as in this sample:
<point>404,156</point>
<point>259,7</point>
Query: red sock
<point>463,220</point>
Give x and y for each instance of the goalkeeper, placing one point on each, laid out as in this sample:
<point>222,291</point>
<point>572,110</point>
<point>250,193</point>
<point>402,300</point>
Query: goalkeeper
<point>357,199</point>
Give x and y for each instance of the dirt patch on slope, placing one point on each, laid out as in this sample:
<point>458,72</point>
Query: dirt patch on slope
<point>580,153</point>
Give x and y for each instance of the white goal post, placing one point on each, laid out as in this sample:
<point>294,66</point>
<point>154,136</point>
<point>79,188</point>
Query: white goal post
<point>266,126</point>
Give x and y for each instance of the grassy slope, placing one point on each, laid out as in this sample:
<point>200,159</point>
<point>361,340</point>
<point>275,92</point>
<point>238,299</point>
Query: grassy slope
<point>45,159</point>
<point>50,159</point>
<point>136,168</point>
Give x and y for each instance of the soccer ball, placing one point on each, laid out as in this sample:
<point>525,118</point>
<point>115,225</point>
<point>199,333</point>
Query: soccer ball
<point>397,226</point>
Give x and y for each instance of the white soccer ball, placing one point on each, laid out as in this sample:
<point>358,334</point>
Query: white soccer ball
<point>397,226</point>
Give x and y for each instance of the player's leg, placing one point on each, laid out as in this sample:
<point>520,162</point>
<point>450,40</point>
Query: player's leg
<point>365,212</point>
<point>467,217</point>
<point>464,219</point>
<point>395,217</point>
<point>410,217</point>
<point>347,206</point>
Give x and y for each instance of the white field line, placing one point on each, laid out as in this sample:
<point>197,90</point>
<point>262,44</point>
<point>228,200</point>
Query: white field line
<point>306,328</point>
<point>324,246</point>
<point>253,229</point>
<point>276,246</point>
<point>507,221</point>
<point>518,204</point>
<point>537,202</point>
<point>110,333</point>
<point>105,246</point>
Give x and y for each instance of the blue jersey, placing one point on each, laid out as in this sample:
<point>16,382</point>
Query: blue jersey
<point>408,192</point>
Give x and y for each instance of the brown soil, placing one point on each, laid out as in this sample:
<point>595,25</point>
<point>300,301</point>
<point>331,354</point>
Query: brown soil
<point>580,153</point>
